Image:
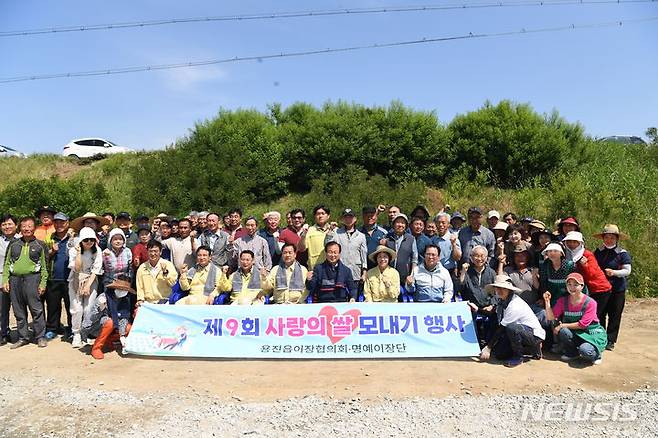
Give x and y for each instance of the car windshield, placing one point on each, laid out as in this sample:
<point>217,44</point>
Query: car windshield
<point>7,148</point>
<point>110,143</point>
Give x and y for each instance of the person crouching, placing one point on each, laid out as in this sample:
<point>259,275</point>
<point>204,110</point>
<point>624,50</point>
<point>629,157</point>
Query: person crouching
<point>519,332</point>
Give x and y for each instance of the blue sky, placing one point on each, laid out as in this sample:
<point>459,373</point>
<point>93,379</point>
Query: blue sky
<point>604,78</point>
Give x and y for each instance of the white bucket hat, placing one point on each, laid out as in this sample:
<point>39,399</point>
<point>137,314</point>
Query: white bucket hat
<point>553,247</point>
<point>87,233</point>
<point>574,235</point>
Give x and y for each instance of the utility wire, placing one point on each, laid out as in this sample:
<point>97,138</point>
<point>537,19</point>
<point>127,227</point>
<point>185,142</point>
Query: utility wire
<point>302,14</point>
<point>121,70</point>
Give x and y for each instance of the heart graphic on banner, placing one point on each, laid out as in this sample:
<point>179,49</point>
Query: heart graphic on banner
<point>329,312</point>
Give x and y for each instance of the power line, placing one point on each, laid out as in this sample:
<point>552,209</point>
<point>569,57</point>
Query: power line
<point>302,14</point>
<point>135,69</point>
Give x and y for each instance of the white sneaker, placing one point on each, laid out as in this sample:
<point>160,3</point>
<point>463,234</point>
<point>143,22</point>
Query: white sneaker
<point>77,341</point>
<point>598,361</point>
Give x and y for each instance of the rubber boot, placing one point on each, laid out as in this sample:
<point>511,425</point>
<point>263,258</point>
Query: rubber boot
<point>106,331</point>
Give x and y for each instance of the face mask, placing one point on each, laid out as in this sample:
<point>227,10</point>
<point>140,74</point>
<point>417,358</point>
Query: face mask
<point>610,246</point>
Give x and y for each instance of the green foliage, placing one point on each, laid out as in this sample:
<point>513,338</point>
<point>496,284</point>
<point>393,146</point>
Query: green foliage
<point>234,159</point>
<point>353,188</point>
<point>395,142</point>
<point>75,196</point>
<point>514,144</point>
<point>652,133</point>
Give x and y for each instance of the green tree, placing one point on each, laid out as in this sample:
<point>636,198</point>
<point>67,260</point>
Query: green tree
<point>395,142</point>
<point>73,197</point>
<point>234,159</point>
<point>513,143</point>
<point>652,134</point>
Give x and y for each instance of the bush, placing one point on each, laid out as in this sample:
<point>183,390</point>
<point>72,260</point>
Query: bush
<point>234,159</point>
<point>396,142</point>
<point>349,188</point>
<point>514,144</point>
<point>74,197</point>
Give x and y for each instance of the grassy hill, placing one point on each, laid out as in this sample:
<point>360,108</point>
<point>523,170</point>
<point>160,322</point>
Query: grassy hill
<point>350,156</point>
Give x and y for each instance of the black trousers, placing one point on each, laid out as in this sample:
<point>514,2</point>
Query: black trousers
<point>24,294</point>
<point>601,304</point>
<point>611,315</point>
<point>5,305</point>
<point>516,341</point>
<point>56,292</point>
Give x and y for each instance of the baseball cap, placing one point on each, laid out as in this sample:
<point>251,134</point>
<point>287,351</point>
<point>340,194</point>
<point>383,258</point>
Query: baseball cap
<point>60,217</point>
<point>577,277</point>
<point>124,215</point>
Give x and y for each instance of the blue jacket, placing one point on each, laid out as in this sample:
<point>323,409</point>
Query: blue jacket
<point>372,241</point>
<point>331,284</point>
<point>421,242</point>
<point>60,260</point>
<point>432,286</point>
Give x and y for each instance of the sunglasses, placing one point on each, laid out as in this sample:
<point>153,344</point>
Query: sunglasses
<point>88,240</point>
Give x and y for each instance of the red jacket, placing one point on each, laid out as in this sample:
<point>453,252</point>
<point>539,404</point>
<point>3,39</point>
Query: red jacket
<point>595,278</point>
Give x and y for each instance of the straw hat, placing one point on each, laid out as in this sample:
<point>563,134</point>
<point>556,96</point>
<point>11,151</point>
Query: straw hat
<point>502,281</point>
<point>382,248</point>
<point>611,229</point>
<point>520,248</point>
<point>120,285</point>
<point>537,224</point>
<point>76,224</point>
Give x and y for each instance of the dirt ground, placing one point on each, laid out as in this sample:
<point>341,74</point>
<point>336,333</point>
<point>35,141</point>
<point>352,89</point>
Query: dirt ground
<point>631,366</point>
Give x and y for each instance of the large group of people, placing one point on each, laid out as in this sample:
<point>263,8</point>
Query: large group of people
<point>531,290</point>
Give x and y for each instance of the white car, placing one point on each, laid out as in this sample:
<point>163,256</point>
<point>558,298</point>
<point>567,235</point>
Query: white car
<point>6,151</point>
<point>89,147</point>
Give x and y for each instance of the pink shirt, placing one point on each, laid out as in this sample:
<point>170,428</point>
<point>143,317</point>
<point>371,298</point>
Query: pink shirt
<point>588,317</point>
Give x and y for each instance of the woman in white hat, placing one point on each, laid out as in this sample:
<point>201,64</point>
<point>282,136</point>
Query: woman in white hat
<point>519,332</point>
<point>94,222</point>
<point>382,283</point>
<point>86,264</point>
<point>616,263</point>
<point>596,284</point>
